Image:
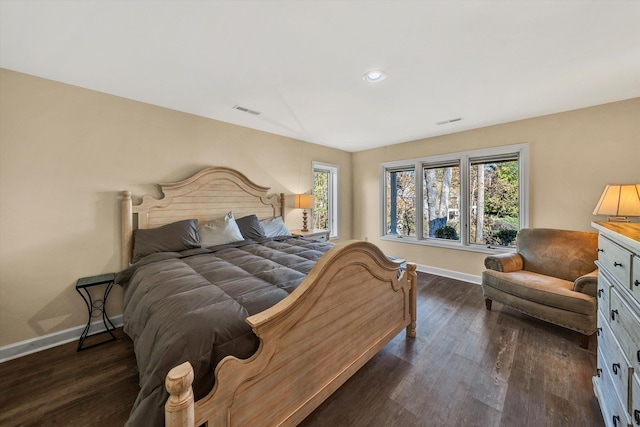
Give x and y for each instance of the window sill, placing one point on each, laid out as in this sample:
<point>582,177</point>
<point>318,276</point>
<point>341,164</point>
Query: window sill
<point>448,245</point>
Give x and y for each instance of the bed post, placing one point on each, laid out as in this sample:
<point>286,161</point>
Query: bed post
<point>412,277</point>
<point>282,199</point>
<point>179,409</point>
<point>127,228</point>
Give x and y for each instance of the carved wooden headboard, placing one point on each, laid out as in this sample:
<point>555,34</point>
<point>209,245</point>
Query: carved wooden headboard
<point>207,195</point>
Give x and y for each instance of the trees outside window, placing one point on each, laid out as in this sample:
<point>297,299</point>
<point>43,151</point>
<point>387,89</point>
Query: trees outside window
<point>400,202</point>
<point>325,197</point>
<point>469,198</point>
<point>441,201</point>
<point>495,199</point>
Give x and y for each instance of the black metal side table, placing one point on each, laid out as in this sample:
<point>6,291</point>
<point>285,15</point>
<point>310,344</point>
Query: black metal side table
<point>96,308</point>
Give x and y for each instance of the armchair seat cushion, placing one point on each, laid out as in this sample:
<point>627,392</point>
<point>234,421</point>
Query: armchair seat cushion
<point>545,290</point>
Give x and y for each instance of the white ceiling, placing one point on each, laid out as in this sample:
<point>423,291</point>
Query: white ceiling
<point>300,63</point>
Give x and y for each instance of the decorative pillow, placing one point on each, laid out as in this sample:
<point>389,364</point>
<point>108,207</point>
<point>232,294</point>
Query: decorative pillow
<point>173,237</point>
<point>250,227</point>
<point>275,227</point>
<point>220,231</point>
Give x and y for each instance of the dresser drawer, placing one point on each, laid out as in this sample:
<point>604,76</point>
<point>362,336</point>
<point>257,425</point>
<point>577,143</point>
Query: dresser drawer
<point>635,401</point>
<point>315,234</point>
<point>625,324</point>
<point>614,411</point>
<point>319,237</point>
<point>603,293</point>
<point>611,360</point>
<point>635,278</point>
<point>615,259</point>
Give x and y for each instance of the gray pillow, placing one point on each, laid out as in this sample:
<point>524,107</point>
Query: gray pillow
<point>173,237</point>
<point>250,227</point>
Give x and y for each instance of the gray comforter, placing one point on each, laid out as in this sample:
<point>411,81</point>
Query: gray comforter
<point>191,306</point>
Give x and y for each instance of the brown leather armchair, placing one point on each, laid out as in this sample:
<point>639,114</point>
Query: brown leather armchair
<point>551,276</point>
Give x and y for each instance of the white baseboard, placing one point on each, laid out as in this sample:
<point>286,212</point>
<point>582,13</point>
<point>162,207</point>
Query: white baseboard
<point>450,274</point>
<point>33,345</point>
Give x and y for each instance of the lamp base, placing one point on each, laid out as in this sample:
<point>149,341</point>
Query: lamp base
<point>304,221</point>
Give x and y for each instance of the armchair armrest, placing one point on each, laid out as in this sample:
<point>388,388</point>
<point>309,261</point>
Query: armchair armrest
<point>505,263</point>
<point>587,284</point>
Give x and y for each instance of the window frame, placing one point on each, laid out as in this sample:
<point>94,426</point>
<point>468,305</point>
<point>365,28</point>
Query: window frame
<point>392,170</point>
<point>435,165</point>
<point>465,159</point>
<point>333,212</point>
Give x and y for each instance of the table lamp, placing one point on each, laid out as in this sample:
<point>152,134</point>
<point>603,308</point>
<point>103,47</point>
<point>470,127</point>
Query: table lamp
<point>619,202</point>
<point>304,201</point>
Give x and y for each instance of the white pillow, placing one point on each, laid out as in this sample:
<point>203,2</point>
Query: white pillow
<point>275,227</point>
<point>220,231</point>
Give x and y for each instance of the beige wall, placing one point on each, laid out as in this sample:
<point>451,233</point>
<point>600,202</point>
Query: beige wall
<point>572,155</point>
<point>65,152</point>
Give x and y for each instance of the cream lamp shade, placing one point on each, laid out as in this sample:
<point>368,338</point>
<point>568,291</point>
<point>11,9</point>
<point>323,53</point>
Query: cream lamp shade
<point>619,202</point>
<point>304,201</point>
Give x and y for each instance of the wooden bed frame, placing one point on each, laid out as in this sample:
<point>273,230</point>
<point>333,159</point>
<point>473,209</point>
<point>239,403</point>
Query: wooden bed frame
<point>349,306</point>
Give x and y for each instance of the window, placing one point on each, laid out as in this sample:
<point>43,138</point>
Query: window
<point>473,200</point>
<point>401,196</point>
<point>441,201</point>
<point>494,201</point>
<point>325,197</point>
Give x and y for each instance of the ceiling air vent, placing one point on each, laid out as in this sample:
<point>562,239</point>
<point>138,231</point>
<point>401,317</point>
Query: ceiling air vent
<point>246,110</point>
<point>444,122</point>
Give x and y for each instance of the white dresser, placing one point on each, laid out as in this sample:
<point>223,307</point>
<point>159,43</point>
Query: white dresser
<point>617,384</point>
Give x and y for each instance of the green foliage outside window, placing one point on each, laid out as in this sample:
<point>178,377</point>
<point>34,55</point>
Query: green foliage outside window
<point>400,204</point>
<point>447,232</point>
<point>494,202</point>
<point>321,200</point>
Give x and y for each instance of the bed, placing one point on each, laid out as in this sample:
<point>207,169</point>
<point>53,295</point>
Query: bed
<point>326,310</point>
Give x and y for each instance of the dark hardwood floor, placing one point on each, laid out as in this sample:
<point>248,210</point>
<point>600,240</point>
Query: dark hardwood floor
<point>467,367</point>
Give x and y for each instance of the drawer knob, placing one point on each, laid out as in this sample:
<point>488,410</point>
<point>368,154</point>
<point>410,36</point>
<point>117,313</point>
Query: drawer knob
<point>598,371</point>
<point>638,356</point>
<point>613,314</point>
<point>615,368</point>
<point>616,420</point>
<point>617,264</point>
<point>636,282</point>
<point>636,416</point>
<point>600,250</point>
<point>600,330</point>
<point>600,292</point>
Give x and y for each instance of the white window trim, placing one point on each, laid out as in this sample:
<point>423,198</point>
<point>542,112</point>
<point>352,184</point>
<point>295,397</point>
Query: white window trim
<point>464,158</point>
<point>334,192</point>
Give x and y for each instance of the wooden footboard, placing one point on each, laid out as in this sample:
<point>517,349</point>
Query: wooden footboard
<point>350,305</point>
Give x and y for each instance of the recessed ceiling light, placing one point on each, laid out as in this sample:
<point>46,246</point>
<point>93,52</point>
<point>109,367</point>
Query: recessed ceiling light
<point>374,76</point>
